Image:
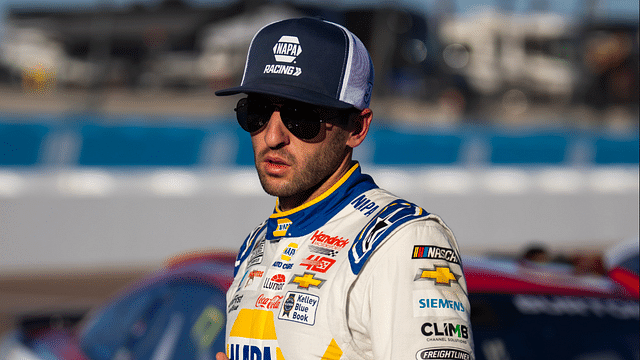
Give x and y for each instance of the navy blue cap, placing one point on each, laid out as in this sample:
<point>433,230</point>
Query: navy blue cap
<point>309,60</point>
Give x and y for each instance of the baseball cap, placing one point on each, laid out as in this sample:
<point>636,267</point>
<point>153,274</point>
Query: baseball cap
<point>310,60</point>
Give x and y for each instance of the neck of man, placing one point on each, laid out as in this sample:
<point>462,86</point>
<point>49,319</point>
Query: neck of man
<point>294,201</point>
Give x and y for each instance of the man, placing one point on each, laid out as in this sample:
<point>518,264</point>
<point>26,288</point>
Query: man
<point>341,269</point>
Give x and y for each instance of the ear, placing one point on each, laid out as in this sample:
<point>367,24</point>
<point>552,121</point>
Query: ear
<point>359,127</point>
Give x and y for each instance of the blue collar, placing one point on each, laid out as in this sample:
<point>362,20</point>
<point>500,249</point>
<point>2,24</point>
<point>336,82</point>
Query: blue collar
<point>308,217</point>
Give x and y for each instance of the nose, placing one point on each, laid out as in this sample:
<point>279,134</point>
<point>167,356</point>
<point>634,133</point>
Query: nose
<point>276,134</point>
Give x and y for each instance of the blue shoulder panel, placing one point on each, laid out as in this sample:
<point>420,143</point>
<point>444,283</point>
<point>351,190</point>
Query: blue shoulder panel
<point>247,246</point>
<point>389,218</point>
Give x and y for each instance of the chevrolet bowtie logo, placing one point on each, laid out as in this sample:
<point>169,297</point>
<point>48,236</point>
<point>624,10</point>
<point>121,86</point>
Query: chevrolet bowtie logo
<point>442,275</point>
<point>306,280</point>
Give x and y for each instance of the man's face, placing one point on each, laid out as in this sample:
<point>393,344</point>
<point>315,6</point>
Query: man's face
<point>289,167</point>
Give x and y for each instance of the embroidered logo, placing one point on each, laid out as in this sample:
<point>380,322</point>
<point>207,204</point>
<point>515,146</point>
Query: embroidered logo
<point>317,263</point>
<point>256,253</point>
<point>300,308</point>
<point>286,50</point>
<point>252,278</point>
<point>283,226</point>
<point>268,302</point>
<point>441,274</point>
<point>436,253</point>
<point>289,251</point>
<point>276,282</point>
<point>306,280</point>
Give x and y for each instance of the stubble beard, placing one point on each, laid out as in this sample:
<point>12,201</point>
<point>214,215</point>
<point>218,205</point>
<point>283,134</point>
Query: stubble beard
<point>309,174</point>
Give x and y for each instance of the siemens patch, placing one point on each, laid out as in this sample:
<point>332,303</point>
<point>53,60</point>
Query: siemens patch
<point>429,303</point>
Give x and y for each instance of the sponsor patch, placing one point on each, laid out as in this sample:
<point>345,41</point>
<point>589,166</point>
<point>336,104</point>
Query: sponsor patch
<point>256,254</point>
<point>267,302</point>
<point>274,282</point>
<point>323,251</point>
<point>299,307</point>
<point>317,263</point>
<point>234,303</point>
<point>435,253</point>
<point>282,265</point>
<point>429,303</point>
<point>253,336</point>
<point>289,251</point>
<point>442,354</point>
<point>441,275</point>
<point>287,49</point>
<point>282,70</point>
<point>329,242</point>
<point>364,205</point>
<point>283,226</point>
<point>445,331</point>
<point>307,280</point>
<point>252,278</point>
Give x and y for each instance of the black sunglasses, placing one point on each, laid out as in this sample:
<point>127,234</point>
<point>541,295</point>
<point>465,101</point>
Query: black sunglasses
<point>304,121</point>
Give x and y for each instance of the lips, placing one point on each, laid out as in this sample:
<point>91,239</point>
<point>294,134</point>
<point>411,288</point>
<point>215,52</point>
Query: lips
<point>275,165</point>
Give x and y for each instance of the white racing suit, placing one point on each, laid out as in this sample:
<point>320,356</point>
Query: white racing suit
<point>354,274</point>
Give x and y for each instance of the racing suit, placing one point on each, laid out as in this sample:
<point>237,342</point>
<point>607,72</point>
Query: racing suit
<point>356,273</point>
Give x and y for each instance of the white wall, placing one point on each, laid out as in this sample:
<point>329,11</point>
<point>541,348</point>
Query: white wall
<point>61,219</point>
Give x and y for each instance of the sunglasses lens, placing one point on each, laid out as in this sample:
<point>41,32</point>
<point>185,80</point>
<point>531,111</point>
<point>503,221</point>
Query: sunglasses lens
<point>252,115</point>
<point>300,119</point>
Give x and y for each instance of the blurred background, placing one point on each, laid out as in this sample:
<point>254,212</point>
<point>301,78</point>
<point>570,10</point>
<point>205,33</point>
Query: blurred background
<point>517,122</point>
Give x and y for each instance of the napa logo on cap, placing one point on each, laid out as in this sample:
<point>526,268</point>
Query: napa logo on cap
<point>286,50</point>
<point>253,336</point>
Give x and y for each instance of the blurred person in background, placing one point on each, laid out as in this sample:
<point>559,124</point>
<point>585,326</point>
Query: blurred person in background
<point>342,269</point>
<point>536,253</point>
<point>612,67</point>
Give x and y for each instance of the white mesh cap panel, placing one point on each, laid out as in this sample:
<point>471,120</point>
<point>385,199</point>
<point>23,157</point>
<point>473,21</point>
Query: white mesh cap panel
<point>358,76</point>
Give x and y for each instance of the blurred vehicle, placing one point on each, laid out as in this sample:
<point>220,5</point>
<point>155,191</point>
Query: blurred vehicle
<point>176,313</point>
<point>519,309</point>
<point>622,263</point>
<point>529,310</point>
<point>511,57</point>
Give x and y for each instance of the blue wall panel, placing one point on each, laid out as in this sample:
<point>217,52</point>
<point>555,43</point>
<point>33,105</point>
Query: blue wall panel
<point>133,142</point>
<point>401,148</point>
<point>20,144</point>
<point>528,149</point>
<point>617,151</point>
<point>139,146</point>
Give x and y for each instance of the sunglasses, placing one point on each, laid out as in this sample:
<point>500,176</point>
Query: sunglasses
<point>304,121</point>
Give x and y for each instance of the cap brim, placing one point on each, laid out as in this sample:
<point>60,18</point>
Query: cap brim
<point>287,92</point>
